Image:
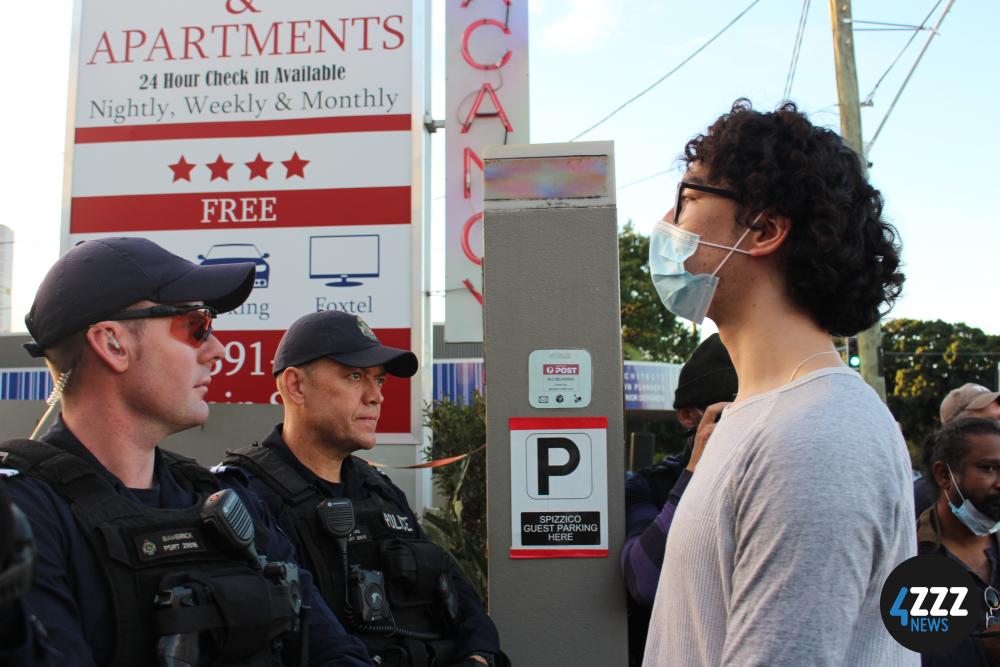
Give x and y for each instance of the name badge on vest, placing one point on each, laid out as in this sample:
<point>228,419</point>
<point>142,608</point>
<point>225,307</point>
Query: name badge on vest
<point>397,522</point>
<point>170,543</point>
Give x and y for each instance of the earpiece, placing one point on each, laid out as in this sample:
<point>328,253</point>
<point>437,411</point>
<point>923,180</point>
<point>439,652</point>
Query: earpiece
<point>114,343</point>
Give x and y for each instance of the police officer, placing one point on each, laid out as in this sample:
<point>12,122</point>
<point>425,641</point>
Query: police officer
<point>330,368</point>
<point>144,557</point>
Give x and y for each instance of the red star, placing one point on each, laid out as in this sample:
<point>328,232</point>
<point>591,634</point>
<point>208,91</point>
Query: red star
<point>220,168</point>
<point>182,169</point>
<point>258,167</point>
<point>295,166</point>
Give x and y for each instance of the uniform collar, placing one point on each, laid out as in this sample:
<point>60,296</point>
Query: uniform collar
<point>59,435</point>
<point>348,475</point>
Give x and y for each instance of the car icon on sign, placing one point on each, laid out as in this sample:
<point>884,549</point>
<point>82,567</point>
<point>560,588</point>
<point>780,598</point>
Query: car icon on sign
<point>238,253</point>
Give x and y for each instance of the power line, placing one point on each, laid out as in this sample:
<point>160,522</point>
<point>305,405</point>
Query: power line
<point>668,74</point>
<point>868,98</point>
<point>793,65</point>
<point>644,178</point>
<point>909,74</point>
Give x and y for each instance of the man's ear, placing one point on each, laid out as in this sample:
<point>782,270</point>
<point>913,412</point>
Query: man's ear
<point>768,233</point>
<point>293,385</point>
<point>941,476</point>
<point>105,339</point>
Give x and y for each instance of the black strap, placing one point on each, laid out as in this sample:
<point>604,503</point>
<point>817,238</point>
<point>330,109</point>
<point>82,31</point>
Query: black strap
<point>190,473</point>
<point>182,620</point>
<point>274,471</point>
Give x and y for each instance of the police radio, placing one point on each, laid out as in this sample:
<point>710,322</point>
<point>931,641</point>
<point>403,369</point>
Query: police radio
<point>365,597</point>
<point>226,515</point>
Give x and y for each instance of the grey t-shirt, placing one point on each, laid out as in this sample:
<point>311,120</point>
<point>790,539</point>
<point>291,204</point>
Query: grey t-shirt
<point>798,511</point>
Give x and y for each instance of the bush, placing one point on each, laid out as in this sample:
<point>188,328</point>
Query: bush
<point>460,526</point>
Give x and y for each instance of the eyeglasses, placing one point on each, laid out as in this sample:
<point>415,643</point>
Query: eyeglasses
<point>992,599</point>
<point>686,185</point>
<point>191,324</point>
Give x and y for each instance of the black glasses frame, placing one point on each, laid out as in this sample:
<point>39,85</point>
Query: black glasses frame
<point>681,186</point>
<point>159,311</point>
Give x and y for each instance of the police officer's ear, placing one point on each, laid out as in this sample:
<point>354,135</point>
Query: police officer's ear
<point>292,385</point>
<point>103,341</point>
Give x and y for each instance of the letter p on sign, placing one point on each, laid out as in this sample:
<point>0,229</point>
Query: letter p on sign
<point>560,466</point>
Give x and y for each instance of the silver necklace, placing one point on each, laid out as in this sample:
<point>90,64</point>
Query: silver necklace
<point>809,358</point>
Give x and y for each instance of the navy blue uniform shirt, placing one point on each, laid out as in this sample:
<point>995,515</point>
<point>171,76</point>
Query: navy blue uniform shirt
<point>70,595</point>
<point>476,631</point>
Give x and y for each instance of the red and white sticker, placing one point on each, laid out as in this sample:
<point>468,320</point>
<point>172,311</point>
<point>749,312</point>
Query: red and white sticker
<point>559,379</point>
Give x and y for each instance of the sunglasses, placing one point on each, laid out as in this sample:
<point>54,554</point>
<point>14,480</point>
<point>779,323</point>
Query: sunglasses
<point>992,599</point>
<point>191,324</point>
<point>685,185</point>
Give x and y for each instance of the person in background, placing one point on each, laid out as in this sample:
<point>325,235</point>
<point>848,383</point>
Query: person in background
<point>706,385</point>
<point>963,465</point>
<point>969,400</point>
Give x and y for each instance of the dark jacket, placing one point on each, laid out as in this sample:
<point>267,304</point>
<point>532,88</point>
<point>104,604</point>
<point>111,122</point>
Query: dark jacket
<point>475,632</point>
<point>969,653</point>
<point>70,596</point>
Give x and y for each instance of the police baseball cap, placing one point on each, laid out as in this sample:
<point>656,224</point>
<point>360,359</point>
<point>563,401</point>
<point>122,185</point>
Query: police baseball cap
<point>101,277</point>
<point>708,376</point>
<point>969,396</point>
<point>342,337</point>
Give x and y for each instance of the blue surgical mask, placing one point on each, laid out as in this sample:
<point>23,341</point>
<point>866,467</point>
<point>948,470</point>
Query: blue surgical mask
<point>969,514</point>
<point>684,294</point>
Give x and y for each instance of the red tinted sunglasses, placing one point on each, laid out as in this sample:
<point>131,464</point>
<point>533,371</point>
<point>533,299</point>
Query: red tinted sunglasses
<point>191,324</point>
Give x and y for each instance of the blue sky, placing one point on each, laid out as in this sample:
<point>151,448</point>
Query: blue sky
<point>934,161</point>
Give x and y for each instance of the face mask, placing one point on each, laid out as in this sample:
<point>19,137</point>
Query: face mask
<point>969,514</point>
<point>684,294</point>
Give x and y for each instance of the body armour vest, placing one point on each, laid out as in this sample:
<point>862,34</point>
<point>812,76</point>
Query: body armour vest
<point>386,556</point>
<point>169,576</point>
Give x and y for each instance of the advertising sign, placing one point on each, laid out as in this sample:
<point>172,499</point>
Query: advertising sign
<point>559,487</point>
<point>486,96</point>
<point>277,133</point>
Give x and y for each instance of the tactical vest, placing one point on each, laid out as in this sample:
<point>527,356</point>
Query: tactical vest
<point>383,541</point>
<point>147,552</point>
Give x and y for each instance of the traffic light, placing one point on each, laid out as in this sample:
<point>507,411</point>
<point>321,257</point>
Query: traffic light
<point>853,356</point>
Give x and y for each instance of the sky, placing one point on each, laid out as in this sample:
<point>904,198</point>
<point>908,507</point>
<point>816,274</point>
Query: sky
<point>934,160</point>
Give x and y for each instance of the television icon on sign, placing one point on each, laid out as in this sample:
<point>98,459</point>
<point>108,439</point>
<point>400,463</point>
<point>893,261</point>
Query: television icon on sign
<point>344,257</point>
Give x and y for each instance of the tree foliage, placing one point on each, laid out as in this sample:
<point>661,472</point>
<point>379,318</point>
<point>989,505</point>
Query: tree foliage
<point>649,331</point>
<point>923,360</point>
<point>460,526</point>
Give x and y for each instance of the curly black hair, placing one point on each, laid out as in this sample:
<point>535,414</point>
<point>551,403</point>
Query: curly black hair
<point>841,259</point>
<point>949,444</point>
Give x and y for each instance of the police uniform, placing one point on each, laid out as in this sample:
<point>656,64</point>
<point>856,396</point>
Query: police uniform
<point>105,550</point>
<point>155,575</point>
<point>427,595</point>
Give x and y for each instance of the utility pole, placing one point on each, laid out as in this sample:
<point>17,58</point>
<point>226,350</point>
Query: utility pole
<point>870,340</point>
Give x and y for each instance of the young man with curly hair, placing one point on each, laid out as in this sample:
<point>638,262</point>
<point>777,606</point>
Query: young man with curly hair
<point>802,504</point>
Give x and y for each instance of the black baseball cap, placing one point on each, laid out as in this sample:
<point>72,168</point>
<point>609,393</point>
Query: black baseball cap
<point>343,337</point>
<point>708,376</point>
<point>101,277</point>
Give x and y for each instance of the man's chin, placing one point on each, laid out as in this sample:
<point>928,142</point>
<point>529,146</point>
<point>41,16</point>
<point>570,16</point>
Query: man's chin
<point>990,508</point>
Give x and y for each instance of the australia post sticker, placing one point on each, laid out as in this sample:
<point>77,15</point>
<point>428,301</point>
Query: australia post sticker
<point>169,543</point>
